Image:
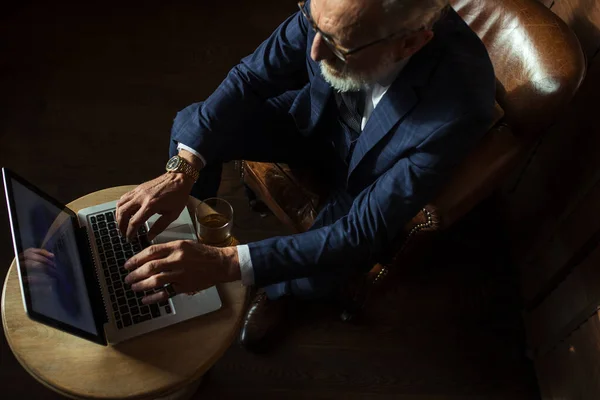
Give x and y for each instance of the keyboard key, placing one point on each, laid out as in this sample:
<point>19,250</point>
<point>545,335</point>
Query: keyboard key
<point>123,239</point>
<point>100,249</point>
<point>119,325</point>
<point>145,317</point>
<point>120,293</point>
<point>139,295</point>
<point>121,263</point>
<point>102,257</point>
<point>144,241</point>
<point>114,305</point>
<point>118,247</point>
<point>113,233</point>
<point>128,254</point>
<point>142,230</point>
<point>135,310</point>
<point>103,232</point>
<point>102,225</point>
<point>114,269</point>
<point>106,239</point>
<point>95,227</point>
<point>110,217</point>
<point>168,309</point>
<point>136,248</point>
<point>124,310</point>
<point>110,253</point>
<point>163,303</point>
<point>120,255</point>
<point>130,294</point>
<point>118,284</point>
<point>154,310</point>
<point>132,302</point>
<point>107,246</point>
<point>112,225</point>
<point>93,219</point>
<point>101,217</point>
<point>117,315</point>
<point>115,240</point>
<point>145,309</point>
<point>115,277</point>
<point>126,320</point>
<point>98,242</point>
<point>111,261</point>
<point>106,273</point>
<point>122,301</point>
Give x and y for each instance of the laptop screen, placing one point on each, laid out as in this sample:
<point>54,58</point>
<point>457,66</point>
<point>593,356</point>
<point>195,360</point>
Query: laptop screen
<point>48,258</point>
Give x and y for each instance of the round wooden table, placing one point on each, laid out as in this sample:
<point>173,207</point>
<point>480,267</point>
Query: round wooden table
<point>167,363</point>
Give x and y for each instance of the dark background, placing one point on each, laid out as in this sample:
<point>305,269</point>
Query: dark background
<point>88,92</point>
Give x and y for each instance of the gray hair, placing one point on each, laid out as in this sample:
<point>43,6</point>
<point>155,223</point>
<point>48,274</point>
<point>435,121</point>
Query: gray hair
<point>413,14</point>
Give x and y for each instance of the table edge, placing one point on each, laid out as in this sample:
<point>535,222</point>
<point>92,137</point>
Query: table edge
<point>156,393</point>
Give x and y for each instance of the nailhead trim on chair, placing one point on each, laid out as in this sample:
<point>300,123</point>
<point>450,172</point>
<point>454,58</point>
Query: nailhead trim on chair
<point>419,227</point>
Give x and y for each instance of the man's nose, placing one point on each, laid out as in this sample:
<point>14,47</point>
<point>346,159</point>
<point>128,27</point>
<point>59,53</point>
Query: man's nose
<point>320,50</point>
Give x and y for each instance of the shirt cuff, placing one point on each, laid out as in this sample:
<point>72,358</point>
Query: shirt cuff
<point>245,264</point>
<point>194,152</point>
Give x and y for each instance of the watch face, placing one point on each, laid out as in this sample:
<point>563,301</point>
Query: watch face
<point>173,163</point>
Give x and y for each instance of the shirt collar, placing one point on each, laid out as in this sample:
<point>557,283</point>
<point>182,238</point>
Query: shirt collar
<point>387,80</point>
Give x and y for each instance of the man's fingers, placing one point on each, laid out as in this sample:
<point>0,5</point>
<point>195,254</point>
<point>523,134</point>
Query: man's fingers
<point>161,295</point>
<point>148,270</point>
<point>153,252</point>
<point>123,201</point>
<point>137,220</point>
<point>125,214</point>
<point>125,198</point>
<point>161,224</point>
<point>154,281</point>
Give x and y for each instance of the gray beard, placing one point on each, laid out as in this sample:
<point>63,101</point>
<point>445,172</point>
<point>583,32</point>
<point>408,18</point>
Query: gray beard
<point>352,82</point>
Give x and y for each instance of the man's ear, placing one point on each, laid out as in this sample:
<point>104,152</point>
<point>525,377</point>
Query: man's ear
<point>415,42</point>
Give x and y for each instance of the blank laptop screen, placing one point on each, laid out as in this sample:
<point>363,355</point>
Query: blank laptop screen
<point>49,260</point>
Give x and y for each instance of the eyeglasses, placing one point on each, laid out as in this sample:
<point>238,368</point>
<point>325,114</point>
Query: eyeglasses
<point>334,47</point>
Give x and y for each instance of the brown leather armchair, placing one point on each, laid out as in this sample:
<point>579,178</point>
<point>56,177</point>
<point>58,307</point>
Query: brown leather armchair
<point>538,64</point>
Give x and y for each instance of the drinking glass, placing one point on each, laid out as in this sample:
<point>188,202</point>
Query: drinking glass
<point>214,219</point>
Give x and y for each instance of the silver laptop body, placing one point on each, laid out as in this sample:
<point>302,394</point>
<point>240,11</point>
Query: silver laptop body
<point>88,297</point>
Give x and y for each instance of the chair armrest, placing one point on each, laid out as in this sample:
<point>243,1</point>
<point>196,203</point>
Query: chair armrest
<point>478,175</point>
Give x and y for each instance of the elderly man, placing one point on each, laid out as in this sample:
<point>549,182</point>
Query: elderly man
<point>384,96</point>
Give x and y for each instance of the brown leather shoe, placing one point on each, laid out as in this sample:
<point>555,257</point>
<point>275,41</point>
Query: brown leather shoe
<point>262,322</point>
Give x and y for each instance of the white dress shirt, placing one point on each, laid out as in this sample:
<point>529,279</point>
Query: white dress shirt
<point>373,95</point>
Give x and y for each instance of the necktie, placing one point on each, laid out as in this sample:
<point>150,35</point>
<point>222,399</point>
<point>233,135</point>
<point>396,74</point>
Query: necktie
<point>350,105</point>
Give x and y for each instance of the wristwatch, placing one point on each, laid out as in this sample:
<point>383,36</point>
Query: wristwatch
<point>179,164</point>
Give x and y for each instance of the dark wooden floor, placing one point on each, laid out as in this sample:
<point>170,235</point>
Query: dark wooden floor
<point>88,92</point>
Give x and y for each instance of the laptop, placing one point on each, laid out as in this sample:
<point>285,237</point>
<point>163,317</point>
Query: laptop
<point>71,271</point>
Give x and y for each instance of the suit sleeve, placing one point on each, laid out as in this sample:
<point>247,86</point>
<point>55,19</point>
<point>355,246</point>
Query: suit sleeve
<point>377,214</point>
<point>276,66</point>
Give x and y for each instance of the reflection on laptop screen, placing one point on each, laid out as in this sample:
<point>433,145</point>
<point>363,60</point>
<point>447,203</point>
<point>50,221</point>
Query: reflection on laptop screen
<point>49,257</point>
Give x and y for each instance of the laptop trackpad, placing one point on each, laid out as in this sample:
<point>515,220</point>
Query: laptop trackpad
<point>181,232</point>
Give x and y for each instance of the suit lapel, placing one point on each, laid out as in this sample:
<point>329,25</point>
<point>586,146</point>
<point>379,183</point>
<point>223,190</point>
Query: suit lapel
<point>397,102</point>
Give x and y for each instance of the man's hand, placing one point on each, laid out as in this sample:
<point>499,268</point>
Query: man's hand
<point>188,266</point>
<point>166,195</point>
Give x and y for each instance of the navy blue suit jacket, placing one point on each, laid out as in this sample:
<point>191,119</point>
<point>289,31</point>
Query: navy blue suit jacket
<point>435,111</point>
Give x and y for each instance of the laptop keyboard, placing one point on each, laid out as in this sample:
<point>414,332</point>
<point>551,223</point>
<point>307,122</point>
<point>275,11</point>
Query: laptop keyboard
<point>114,250</point>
